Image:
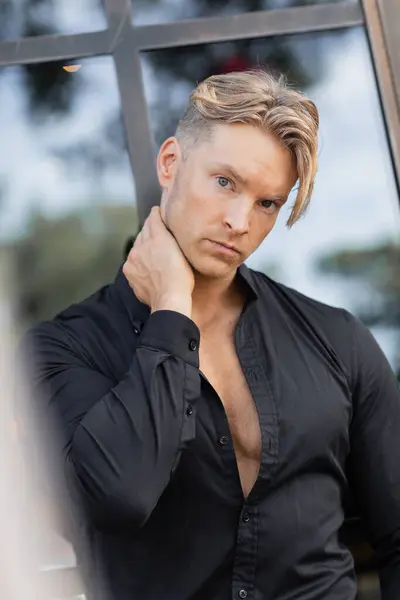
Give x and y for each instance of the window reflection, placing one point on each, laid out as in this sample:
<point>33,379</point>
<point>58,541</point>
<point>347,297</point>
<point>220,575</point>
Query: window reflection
<point>161,11</point>
<point>346,250</point>
<point>30,18</point>
<point>67,201</point>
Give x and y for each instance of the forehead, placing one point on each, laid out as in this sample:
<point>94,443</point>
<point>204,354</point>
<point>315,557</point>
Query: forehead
<point>255,154</point>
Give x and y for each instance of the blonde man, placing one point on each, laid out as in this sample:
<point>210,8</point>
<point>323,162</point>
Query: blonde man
<point>213,419</point>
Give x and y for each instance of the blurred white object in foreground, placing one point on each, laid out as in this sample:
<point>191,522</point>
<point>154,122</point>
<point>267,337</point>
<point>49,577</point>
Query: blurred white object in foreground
<point>18,579</point>
<point>22,518</point>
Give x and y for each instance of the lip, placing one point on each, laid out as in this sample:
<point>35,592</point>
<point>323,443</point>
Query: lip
<point>225,248</point>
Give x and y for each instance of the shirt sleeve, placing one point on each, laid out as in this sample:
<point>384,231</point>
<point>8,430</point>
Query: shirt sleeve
<point>375,453</point>
<point>120,443</point>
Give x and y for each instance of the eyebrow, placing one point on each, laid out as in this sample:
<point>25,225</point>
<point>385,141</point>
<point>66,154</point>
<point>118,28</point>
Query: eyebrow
<point>228,169</point>
<point>231,171</point>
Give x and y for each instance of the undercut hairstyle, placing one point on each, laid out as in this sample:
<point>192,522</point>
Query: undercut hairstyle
<point>256,97</point>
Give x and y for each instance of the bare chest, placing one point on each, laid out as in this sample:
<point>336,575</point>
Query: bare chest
<point>220,364</point>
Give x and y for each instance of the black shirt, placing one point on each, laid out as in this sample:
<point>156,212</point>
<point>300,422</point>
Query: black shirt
<point>147,451</point>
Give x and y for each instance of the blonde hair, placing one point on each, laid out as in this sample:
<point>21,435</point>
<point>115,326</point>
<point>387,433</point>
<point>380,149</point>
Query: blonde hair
<point>257,98</point>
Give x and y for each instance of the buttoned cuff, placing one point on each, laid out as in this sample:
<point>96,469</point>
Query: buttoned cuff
<point>174,333</point>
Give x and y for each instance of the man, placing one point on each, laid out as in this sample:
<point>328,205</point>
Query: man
<point>213,420</point>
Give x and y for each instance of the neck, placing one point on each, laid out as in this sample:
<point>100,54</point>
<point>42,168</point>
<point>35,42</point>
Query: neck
<point>211,297</point>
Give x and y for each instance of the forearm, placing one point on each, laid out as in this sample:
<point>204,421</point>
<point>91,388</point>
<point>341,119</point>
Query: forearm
<point>124,449</point>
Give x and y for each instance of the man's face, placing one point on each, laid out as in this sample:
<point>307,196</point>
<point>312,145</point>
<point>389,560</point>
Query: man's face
<point>224,198</point>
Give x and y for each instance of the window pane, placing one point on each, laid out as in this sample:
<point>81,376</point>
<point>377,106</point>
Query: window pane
<point>30,18</point>
<point>161,11</point>
<point>67,200</point>
<point>346,251</point>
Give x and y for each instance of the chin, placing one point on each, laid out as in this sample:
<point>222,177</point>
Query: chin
<point>213,268</point>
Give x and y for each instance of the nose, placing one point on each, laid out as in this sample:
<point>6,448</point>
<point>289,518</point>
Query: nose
<point>237,216</point>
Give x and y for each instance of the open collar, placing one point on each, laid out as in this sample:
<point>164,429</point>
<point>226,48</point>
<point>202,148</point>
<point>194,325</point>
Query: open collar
<point>139,312</point>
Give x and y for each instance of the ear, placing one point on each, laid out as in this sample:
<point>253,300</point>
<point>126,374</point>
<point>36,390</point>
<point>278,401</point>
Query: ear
<point>168,160</point>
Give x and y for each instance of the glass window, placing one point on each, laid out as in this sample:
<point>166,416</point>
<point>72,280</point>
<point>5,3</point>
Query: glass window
<point>30,18</point>
<point>67,199</point>
<point>346,250</point>
<point>147,12</point>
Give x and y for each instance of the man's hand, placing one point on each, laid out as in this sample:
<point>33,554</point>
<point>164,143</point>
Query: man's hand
<point>157,270</point>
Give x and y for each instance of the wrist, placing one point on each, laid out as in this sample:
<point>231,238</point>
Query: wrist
<point>176,302</point>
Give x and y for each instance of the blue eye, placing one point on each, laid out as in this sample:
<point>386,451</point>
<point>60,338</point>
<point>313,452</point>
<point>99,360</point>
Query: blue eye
<point>223,181</point>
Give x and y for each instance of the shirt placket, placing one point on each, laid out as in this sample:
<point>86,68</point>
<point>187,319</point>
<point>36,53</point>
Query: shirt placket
<point>245,563</point>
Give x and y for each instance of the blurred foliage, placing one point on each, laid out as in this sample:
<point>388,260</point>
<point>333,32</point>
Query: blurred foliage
<point>379,269</point>
<point>60,261</point>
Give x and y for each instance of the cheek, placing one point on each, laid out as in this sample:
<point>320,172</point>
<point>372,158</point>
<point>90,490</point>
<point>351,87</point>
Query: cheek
<point>190,217</point>
<point>201,208</point>
<point>262,225</point>
<point>259,229</point>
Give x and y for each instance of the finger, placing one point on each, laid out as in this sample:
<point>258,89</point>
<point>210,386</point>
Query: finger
<point>126,268</point>
<point>146,233</point>
<point>158,220</point>
<point>155,214</point>
<point>154,220</point>
<point>148,227</point>
<point>138,240</point>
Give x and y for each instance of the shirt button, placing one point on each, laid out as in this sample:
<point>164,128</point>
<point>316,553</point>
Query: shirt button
<point>136,330</point>
<point>192,345</point>
<point>223,440</point>
<point>242,594</point>
<point>246,517</point>
<point>189,410</point>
